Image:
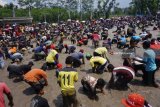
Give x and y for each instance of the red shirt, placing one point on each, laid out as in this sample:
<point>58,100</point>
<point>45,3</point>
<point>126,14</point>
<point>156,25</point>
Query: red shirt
<point>52,46</point>
<point>3,89</point>
<point>127,72</point>
<point>96,37</point>
<point>155,46</point>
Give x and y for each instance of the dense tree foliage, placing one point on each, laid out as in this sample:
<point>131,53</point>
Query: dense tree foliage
<point>60,10</point>
<point>77,9</point>
<point>105,6</point>
<point>144,7</point>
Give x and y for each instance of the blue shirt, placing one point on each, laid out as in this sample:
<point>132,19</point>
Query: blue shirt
<point>149,58</point>
<point>123,40</point>
<point>135,38</point>
<point>77,55</point>
<point>16,56</point>
<point>71,47</point>
<point>38,49</point>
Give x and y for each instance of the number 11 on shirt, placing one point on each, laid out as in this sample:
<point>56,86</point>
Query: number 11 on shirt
<point>66,79</point>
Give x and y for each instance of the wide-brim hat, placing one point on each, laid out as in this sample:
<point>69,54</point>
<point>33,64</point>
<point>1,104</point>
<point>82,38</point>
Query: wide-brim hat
<point>134,100</point>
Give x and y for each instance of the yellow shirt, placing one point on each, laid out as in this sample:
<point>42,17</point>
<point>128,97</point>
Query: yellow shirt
<point>51,56</point>
<point>97,59</point>
<point>67,77</point>
<point>101,50</point>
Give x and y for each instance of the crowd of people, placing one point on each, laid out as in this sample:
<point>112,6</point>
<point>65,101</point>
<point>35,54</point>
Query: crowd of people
<point>48,41</point>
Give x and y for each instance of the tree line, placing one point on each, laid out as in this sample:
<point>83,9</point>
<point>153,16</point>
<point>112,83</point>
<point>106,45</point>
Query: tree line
<point>47,10</point>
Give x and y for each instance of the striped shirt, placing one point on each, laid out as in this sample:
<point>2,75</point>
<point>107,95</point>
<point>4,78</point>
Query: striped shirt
<point>126,71</point>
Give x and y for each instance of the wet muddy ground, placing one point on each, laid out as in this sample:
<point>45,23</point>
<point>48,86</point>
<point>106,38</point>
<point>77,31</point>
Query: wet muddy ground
<point>22,93</point>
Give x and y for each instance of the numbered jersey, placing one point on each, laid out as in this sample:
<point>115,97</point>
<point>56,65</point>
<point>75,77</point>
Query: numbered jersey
<point>67,77</point>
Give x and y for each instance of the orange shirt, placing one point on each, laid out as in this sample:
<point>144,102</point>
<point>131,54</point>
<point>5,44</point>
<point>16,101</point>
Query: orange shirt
<point>13,50</point>
<point>35,75</point>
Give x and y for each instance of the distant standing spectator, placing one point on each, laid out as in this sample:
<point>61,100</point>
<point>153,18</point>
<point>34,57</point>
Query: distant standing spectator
<point>150,65</point>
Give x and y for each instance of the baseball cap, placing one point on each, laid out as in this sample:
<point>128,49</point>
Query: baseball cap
<point>59,66</point>
<point>134,100</point>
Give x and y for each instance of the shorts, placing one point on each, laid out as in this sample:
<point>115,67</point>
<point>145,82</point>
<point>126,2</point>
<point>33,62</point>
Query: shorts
<point>68,92</point>
<point>38,86</point>
<point>51,64</point>
<point>69,99</point>
<point>101,68</point>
